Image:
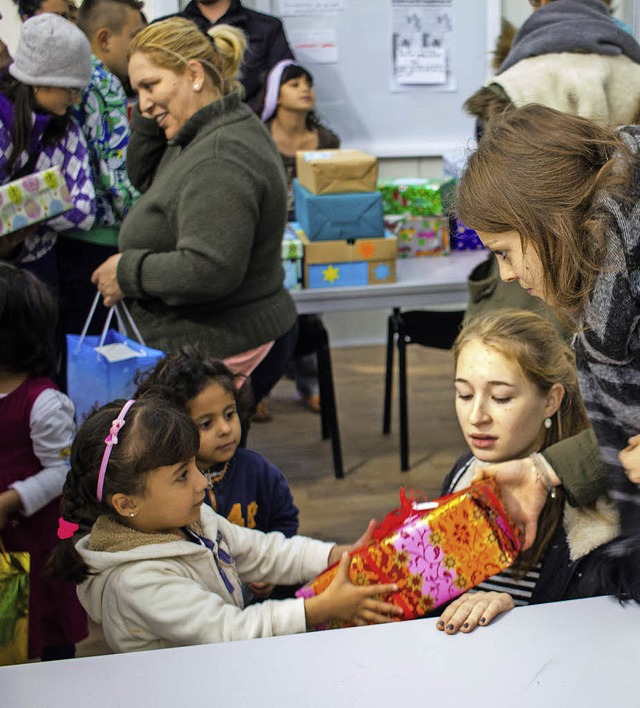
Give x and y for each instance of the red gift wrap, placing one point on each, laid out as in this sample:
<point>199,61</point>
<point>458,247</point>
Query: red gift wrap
<point>433,554</point>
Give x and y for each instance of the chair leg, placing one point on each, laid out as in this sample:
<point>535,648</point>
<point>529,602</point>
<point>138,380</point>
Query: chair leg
<point>404,415</point>
<point>328,403</point>
<point>388,377</point>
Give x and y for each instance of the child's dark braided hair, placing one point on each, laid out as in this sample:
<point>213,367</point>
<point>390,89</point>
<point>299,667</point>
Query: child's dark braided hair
<point>156,433</point>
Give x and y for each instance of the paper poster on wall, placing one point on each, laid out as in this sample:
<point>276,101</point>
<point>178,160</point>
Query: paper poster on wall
<point>319,46</point>
<point>296,8</point>
<point>421,42</point>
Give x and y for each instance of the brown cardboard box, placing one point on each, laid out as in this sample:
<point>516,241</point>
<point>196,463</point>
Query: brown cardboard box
<point>337,171</point>
<point>365,261</point>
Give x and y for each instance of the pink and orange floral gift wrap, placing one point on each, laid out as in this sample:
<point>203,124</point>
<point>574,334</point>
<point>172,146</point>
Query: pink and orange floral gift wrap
<point>433,554</point>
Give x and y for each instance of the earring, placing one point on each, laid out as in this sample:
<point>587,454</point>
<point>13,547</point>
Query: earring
<point>196,87</point>
<point>132,514</point>
<point>547,423</point>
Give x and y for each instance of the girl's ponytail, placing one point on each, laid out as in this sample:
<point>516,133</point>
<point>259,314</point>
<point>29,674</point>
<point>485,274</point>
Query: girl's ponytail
<point>79,506</point>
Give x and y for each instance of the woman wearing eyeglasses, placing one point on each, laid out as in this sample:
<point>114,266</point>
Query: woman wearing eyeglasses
<point>51,68</point>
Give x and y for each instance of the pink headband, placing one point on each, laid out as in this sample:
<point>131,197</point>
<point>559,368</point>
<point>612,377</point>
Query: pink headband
<point>110,441</point>
<point>273,88</point>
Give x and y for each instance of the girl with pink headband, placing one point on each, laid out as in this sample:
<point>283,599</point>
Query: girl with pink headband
<point>158,568</point>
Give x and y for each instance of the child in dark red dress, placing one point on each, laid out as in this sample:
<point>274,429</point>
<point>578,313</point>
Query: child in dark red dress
<point>36,432</point>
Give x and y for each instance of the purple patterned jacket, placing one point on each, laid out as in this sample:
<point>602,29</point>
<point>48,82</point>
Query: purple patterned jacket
<point>71,156</point>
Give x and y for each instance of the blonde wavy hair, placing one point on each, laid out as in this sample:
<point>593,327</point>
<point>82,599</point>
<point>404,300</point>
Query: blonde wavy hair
<point>172,43</point>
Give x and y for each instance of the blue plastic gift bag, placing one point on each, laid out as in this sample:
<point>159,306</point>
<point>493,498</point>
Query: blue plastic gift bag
<point>102,368</point>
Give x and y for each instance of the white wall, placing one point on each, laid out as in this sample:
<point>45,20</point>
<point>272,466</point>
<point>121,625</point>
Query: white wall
<point>345,328</point>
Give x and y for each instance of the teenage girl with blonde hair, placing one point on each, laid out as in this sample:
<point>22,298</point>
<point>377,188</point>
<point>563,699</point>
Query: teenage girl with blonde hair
<point>517,394</point>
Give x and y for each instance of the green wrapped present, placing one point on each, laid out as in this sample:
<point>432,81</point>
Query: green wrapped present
<point>418,197</point>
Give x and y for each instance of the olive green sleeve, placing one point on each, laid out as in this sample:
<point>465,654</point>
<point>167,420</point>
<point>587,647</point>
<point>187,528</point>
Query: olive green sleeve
<point>578,464</point>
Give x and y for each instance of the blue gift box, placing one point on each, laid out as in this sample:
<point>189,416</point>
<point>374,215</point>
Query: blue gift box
<point>336,217</point>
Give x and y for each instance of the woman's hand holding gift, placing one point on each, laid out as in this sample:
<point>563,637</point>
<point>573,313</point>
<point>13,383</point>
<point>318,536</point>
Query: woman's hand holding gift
<point>523,493</point>
<point>473,609</point>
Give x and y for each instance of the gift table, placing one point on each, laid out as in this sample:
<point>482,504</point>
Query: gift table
<point>430,283</point>
<point>581,653</point>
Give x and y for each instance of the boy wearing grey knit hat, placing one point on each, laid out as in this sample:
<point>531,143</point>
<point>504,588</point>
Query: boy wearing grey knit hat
<point>54,57</point>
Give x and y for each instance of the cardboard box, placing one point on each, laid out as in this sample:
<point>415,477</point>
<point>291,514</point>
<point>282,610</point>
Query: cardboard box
<point>335,264</point>
<point>334,217</point>
<point>32,199</point>
<point>337,171</point>
<point>419,236</point>
<point>418,197</point>
<point>292,253</point>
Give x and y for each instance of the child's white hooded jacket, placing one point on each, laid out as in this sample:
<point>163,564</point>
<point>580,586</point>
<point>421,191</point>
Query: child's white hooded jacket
<point>152,591</point>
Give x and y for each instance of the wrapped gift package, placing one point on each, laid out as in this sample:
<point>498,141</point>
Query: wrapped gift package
<point>419,235</point>
<point>292,253</point>
<point>32,199</point>
<point>433,552</point>
<point>337,171</point>
<point>418,197</point>
<point>336,264</point>
<point>335,217</point>
<point>463,238</point>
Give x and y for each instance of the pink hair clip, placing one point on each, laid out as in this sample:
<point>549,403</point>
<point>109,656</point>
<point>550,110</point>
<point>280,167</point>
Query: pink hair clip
<point>110,441</point>
<point>66,529</point>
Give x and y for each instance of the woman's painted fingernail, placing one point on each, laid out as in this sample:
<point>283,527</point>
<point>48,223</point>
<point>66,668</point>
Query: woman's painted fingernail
<point>465,625</point>
<point>449,627</point>
<point>483,620</point>
<point>440,624</point>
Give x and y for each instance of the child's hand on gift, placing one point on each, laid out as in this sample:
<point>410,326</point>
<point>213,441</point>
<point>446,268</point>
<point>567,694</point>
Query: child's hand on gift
<point>261,591</point>
<point>630,459</point>
<point>473,609</point>
<point>355,604</point>
<point>338,551</point>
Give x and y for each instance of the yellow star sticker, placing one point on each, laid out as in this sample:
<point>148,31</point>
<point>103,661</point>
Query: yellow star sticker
<point>331,274</point>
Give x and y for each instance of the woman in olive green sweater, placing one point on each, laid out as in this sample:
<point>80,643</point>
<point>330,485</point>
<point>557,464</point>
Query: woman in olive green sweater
<point>200,251</point>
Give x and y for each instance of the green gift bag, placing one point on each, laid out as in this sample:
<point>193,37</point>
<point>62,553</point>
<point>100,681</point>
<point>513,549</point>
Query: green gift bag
<point>14,606</point>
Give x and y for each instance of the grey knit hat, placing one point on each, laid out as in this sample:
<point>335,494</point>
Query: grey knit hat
<point>52,52</point>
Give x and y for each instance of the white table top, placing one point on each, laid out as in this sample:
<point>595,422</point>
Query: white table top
<point>584,653</point>
<point>438,281</point>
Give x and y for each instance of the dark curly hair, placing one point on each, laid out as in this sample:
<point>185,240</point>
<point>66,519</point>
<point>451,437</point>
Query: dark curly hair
<point>180,376</point>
